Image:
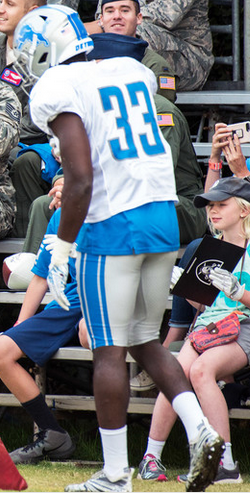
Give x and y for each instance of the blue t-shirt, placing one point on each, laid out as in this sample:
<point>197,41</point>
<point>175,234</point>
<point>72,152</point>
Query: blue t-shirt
<point>41,266</point>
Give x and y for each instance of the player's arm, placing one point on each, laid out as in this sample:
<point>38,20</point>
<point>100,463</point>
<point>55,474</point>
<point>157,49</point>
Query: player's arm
<point>33,297</point>
<point>78,173</point>
<point>76,196</point>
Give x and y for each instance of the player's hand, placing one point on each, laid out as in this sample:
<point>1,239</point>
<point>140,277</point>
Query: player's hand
<point>50,239</point>
<point>235,158</point>
<point>228,283</point>
<point>176,274</point>
<point>56,194</point>
<point>57,280</point>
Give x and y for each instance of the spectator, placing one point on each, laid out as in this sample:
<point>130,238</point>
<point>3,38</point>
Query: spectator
<point>124,17</point>
<point>39,336</point>
<point>179,31</point>
<point>10,14</point>
<point>27,169</point>
<point>10,117</point>
<point>231,148</point>
<point>28,165</point>
<point>41,211</point>
<point>128,183</point>
<point>182,313</point>
<point>32,174</point>
<point>230,217</point>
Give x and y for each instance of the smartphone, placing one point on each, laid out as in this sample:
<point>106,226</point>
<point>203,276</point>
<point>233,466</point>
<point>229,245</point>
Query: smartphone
<point>242,130</point>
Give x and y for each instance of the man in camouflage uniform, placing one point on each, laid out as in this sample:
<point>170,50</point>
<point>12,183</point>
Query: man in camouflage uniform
<point>179,31</point>
<point>188,174</point>
<point>10,116</point>
<point>127,24</point>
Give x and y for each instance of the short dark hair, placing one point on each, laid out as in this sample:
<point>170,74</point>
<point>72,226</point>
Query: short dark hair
<point>136,2</point>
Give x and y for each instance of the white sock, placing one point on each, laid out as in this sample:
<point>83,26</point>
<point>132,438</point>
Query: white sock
<point>154,447</point>
<point>227,458</point>
<point>189,411</point>
<point>115,454</point>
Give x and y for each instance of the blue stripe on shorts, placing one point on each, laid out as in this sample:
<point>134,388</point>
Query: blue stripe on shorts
<point>93,299</point>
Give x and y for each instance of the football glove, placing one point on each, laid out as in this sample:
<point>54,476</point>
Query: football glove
<point>50,239</point>
<point>57,280</point>
<point>228,283</point>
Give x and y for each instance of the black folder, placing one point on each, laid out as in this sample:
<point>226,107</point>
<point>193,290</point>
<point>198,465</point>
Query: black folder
<point>194,283</point>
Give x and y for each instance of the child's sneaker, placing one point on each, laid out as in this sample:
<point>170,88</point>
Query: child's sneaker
<point>151,468</point>
<point>48,443</point>
<point>205,455</point>
<point>230,476</point>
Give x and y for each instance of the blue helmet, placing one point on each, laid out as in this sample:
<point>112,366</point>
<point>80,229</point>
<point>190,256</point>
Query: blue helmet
<point>48,36</point>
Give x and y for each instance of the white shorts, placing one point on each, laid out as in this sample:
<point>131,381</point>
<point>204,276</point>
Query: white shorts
<point>124,297</point>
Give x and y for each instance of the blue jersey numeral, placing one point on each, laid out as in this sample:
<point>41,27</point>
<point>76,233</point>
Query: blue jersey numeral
<point>122,121</point>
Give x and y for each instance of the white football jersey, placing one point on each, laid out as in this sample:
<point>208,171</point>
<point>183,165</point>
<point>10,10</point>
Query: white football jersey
<point>132,162</point>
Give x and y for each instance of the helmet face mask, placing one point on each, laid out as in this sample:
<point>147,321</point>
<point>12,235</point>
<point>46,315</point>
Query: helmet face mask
<point>45,37</point>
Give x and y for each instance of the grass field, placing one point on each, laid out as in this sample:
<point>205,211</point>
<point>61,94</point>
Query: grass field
<point>16,430</point>
<point>47,477</point>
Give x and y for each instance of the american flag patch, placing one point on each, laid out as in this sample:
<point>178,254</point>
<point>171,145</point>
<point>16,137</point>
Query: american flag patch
<point>164,119</point>
<point>12,77</point>
<point>167,82</point>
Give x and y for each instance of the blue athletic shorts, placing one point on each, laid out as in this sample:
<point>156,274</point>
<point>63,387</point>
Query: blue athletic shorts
<point>40,336</point>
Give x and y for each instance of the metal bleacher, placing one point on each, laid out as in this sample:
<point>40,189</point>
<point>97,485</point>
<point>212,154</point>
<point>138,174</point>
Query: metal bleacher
<point>212,100</point>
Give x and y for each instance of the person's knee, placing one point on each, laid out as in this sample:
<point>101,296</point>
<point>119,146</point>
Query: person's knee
<point>106,358</point>
<point>23,165</point>
<point>199,373</point>
<point>6,353</point>
<point>83,334</point>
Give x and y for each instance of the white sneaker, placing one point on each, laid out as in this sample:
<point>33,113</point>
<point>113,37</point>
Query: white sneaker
<point>100,482</point>
<point>205,455</point>
<point>142,382</point>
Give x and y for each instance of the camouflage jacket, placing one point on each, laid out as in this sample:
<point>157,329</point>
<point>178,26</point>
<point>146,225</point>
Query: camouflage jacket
<point>188,174</point>
<point>10,117</point>
<point>29,133</point>
<point>186,20</point>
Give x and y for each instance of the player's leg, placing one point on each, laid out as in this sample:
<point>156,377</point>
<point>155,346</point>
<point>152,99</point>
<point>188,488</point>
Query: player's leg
<point>108,288</point>
<point>205,443</point>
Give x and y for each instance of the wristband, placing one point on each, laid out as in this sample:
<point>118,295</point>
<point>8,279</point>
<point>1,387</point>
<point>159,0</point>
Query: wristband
<point>61,251</point>
<point>215,166</point>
